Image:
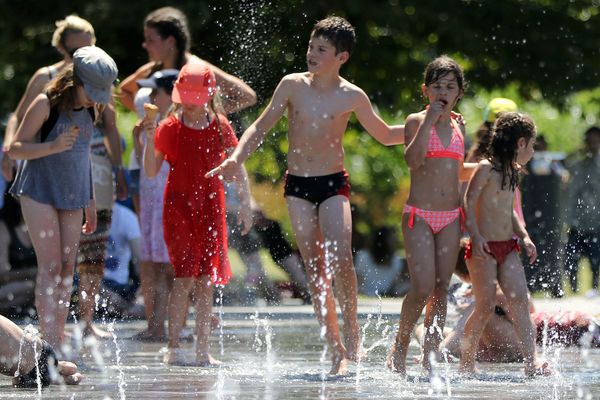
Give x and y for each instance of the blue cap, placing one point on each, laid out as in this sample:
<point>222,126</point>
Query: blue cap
<point>164,79</point>
<point>97,70</point>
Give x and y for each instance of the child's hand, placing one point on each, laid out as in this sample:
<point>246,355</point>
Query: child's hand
<point>9,166</point>
<point>229,170</point>
<point>137,129</point>
<point>149,126</point>
<point>530,249</point>
<point>244,218</point>
<point>65,140</point>
<point>435,110</point>
<point>480,247</point>
<point>89,226</point>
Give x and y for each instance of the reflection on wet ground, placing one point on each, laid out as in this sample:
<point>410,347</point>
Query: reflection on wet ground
<point>277,354</point>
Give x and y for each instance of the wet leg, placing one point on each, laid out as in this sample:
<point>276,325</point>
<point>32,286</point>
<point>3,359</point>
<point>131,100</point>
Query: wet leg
<point>483,274</point>
<point>446,255</point>
<point>70,234</point>
<point>44,229</point>
<point>511,277</point>
<point>335,221</point>
<point>204,301</point>
<point>420,254</point>
<point>303,215</point>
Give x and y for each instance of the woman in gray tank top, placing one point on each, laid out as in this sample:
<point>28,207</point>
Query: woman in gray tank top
<point>54,182</point>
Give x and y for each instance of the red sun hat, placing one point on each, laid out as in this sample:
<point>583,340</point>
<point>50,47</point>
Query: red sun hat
<point>195,85</point>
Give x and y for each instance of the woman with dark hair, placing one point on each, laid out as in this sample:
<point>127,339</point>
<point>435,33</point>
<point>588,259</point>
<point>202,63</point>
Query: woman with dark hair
<point>167,41</point>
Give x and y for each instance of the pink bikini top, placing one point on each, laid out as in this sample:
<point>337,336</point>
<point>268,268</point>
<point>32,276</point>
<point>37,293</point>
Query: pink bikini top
<point>455,150</point>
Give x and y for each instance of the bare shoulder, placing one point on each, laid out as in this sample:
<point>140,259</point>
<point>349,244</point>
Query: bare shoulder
<point>40,78</point>
<point>351,88</point>
<point>296,79</point>
<point>41,101</point>
<point>39,107</point>
<point>414,120</point>
<point>484,167</point>
<point>291,82</point>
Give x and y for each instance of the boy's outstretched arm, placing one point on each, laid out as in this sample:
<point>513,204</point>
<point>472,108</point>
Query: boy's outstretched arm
<point>242,186</point>
<point>254,135</point>
<point>374,125</point>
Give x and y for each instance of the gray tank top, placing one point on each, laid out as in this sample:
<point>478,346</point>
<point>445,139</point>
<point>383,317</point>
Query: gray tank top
<point>62,180</point>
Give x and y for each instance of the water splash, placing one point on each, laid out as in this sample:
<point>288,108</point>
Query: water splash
<point>31,334</point>
<point>220,383</point>
<point>122,383</point>
<point>361,347</point>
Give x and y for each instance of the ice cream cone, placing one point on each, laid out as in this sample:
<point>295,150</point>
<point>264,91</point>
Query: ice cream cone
<point>151,110</point>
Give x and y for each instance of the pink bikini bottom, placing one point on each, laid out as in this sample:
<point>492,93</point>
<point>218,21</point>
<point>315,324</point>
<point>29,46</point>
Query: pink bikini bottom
<point>437,220</point>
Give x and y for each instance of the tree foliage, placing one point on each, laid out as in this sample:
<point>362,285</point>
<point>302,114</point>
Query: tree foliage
<point>543,53</point>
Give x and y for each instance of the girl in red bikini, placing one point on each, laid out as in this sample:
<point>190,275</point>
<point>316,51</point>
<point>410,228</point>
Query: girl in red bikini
<point>432,215</point>
<point>493,252</point>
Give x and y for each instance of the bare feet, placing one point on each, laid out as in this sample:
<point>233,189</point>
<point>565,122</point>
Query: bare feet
<point>538,369</point>
<point>178,356</point>
<point>206,360</point>
<point>92,330</point>
<point>357,354</point>
<point>68,371</point>
<point>183,358</point>
<point>339,365</point>
<point>467,370</point>
<point>396,361</point>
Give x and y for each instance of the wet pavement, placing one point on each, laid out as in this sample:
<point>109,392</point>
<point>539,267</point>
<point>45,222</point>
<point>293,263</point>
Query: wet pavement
<point>276,353</point>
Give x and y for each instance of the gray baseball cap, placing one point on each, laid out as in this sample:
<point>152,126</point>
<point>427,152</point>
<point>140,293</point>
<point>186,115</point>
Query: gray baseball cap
<point>97,70</point>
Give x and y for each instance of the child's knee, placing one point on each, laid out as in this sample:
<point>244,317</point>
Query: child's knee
<point>484,308</point>
<point>422,291</point>
<point>518,300</point>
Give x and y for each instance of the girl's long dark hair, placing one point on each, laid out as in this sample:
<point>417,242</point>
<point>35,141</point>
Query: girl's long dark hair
<point>502,151</point>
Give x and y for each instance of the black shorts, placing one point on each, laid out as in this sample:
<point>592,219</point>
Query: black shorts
<point>317,189</point>
<point>45,358</point>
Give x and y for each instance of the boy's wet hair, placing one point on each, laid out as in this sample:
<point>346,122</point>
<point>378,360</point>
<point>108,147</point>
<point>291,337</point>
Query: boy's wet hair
<point>442,66</point>
<point>338,31</point>
<point>502,151</point>
<point>170,21</point>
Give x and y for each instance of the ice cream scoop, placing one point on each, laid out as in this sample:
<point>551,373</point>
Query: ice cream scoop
<point>151,110</point>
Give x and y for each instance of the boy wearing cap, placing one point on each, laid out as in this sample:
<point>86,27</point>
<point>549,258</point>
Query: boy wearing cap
<point>319,103</point>
<point>54,182</point>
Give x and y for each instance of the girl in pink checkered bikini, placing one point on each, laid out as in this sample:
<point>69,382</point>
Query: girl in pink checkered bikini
<point>433,217</point>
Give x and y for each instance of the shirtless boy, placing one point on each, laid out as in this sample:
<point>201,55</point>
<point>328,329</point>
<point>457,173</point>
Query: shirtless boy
<point>319,103</point>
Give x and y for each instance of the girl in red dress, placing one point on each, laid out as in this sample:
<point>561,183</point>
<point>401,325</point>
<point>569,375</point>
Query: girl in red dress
<point>193,140</point>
